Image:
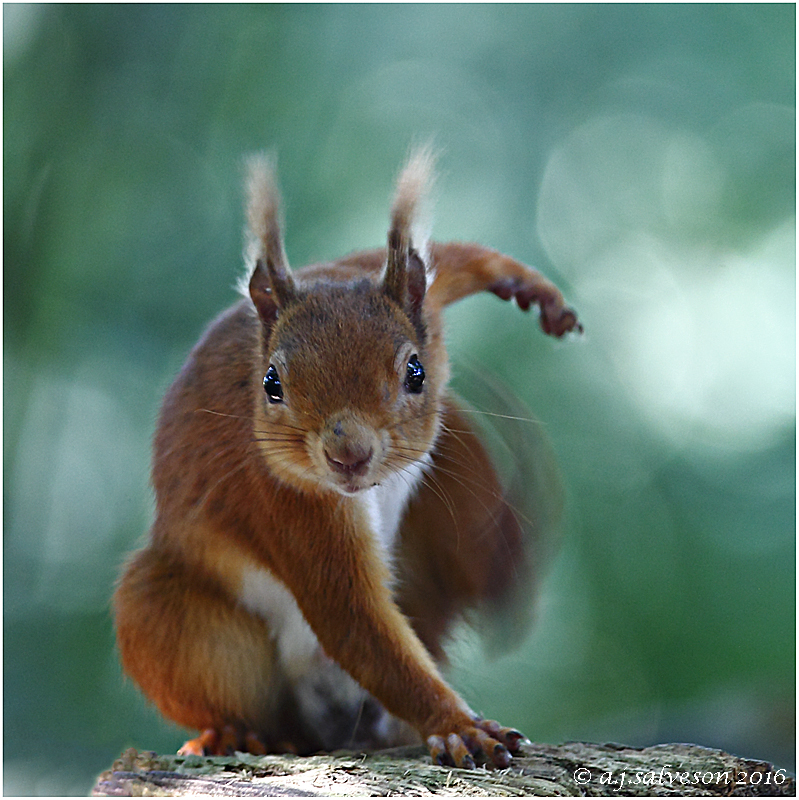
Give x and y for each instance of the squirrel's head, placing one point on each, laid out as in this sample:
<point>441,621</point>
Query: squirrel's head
<point>353,370</point>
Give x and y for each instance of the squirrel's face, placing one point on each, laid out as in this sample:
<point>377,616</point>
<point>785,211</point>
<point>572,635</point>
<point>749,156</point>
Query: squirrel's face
<point>350,395</point>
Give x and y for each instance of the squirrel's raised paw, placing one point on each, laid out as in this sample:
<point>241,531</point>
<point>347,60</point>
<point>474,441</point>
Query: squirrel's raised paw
<point>485,737</point>
<point>222,742</point>
<point>556,318</point>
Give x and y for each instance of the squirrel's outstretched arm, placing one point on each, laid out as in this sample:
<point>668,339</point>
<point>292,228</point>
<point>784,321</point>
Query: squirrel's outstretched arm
<point>461,269</point>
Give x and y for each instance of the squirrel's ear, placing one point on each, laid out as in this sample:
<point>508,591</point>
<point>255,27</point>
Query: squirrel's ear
<point>271,285</point>
<point>405,276</point>
<point>265,299</point>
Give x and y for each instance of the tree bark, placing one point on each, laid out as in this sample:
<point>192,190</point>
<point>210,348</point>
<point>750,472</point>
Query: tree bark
<point>575,768</point>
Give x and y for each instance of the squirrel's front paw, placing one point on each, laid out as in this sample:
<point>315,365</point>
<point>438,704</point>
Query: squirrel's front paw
<point>482,736</point>
<point>556,318</point>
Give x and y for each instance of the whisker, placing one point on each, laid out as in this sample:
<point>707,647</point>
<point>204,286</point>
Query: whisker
<point>531,420</point>
<point>357,721</point>
<point>286,426</point>
<point>430,478</point>
<point>431,481</point>
<point>219,413</point>
<point>427,479</point>
<point>470,484</point>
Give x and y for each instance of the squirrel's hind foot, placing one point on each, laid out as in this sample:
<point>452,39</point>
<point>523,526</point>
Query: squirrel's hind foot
<point>224,741</point>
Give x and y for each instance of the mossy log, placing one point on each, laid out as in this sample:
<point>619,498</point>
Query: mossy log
<point>575,769</point>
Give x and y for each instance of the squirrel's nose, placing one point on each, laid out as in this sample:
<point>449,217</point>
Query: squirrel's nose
<point>349,459</point>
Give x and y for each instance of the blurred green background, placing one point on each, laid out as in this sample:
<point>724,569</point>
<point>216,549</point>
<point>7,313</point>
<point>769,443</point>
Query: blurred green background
<point>642,156</point>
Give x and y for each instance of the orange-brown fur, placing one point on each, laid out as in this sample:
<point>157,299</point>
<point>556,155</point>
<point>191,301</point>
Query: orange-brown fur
<point>253,493</point>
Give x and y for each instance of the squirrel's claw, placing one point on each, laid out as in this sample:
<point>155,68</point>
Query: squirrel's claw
<point>450,752</point>
<point>486,737</point>
<point>510,737</point>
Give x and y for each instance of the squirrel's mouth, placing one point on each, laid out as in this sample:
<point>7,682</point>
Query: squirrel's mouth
<point>352,487</point>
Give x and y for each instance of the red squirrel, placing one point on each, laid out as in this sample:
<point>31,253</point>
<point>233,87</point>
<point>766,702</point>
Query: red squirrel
<point>321,502</point>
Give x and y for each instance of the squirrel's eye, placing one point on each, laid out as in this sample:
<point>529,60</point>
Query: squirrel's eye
<point>414,377</point>
<point>272,387</point>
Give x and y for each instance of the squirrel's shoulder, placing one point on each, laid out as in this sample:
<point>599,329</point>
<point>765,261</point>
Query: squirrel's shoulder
<point>220,363</point>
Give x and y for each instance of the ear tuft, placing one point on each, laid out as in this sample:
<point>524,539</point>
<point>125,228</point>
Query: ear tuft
<point>407,271</point>
<point>414,185</point>
<point>270,284</point>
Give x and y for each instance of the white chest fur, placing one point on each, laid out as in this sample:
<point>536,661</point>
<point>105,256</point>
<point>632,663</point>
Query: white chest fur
<point>384,504</point>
